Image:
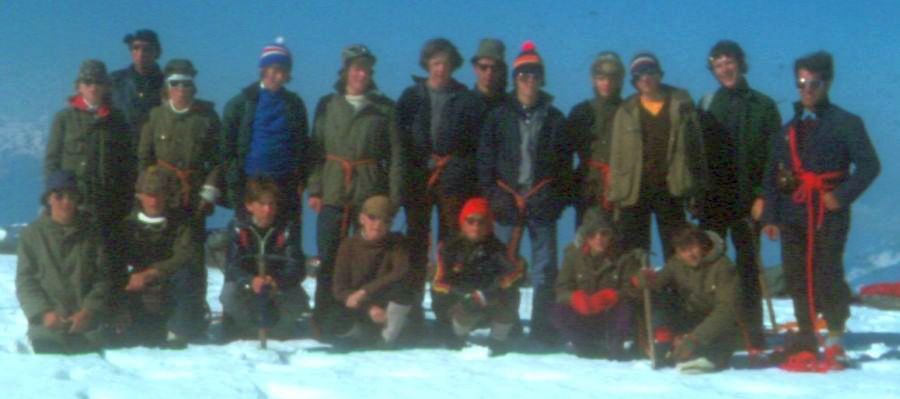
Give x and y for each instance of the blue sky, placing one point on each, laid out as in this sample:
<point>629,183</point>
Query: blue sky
<point>44,42</point>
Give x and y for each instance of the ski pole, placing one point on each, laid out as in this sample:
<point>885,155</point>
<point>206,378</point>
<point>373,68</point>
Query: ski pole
<point>263,331</point>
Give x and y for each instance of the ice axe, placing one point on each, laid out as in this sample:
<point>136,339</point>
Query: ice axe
<point>761,273</point>
<point>648,313</point>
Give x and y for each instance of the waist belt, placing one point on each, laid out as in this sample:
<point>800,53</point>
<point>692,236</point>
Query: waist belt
<point>812,187</point>
<point>440,163</point>
<point>347,167</point>
<point>515,238</point>
<point>184,177</point>
<point>605,174</point>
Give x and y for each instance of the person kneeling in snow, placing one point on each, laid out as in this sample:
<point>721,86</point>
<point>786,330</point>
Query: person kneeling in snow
<point>371,277</point>
<point>159,276</point>
<point>595,297</point>
<point>475,281</point>
<point>262,289</point>
<point>62,274</point>
<point>697,303</point>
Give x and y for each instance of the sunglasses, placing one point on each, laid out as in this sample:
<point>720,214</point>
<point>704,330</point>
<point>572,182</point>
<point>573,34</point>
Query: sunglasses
<point>810,84</point>
<point>487,67</point>
<point>528,76</point>
<point>186,84</point>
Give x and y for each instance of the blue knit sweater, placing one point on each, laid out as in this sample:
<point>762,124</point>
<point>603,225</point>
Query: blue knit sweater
<point>270,148</point>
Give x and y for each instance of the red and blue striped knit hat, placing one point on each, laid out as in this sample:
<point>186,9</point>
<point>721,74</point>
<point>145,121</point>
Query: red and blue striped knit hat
<point>276,53</point>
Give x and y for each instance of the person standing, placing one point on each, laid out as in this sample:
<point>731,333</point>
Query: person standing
<point>264,133</point>
<point>137,88</point>
<point>657,161</point>
<point>63,279</point>
<point>590,127</point>
<point>524,170</point>
<point>737,124</point>
<point>489,65</point>
<point>90,139</point>
<point>356,154</point>
<point>182,135</point>
<point>820,164</point>
<point>420,113</point>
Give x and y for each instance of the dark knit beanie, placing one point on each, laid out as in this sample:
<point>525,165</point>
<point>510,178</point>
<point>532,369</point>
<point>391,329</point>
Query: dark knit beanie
<point>179,66</point>
<point>644,63</point>
<point>528,60</point>
<point>92,71</point>
<point>728,48</point>
<point>820,63</point>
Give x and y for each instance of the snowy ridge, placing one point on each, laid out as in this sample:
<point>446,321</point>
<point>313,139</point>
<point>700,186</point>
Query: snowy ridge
<point>27,138</point>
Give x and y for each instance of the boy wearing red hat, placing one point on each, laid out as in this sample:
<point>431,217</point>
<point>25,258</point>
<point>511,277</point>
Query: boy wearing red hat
<point>475,281</point>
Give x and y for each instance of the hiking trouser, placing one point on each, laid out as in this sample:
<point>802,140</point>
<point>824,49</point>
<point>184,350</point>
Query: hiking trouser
<point>831,293</point>
<point>634,221</point>
<point>543,271</point>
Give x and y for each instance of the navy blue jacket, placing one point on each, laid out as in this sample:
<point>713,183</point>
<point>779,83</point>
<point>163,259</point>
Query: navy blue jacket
<point>284,260</point>
<point>839,141</point>
<point>499,156</point>
<point>136,95</point>
<point>413,118</point>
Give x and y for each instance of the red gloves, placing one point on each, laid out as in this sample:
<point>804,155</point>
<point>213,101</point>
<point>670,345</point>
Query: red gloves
<point>595,303</point>
<point>580,302</point>
<point>604,300</point>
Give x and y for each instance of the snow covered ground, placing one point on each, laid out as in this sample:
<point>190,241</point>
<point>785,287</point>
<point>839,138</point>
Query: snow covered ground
<point>306,369</point>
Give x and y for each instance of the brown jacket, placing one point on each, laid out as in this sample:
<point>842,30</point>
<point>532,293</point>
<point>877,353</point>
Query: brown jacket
<point>373,266</point>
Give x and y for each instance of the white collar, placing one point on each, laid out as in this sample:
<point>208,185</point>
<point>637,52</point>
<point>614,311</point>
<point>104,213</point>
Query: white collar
<point>150,220</point>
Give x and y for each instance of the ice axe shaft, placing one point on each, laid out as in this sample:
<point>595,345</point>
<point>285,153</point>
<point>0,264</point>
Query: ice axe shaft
<point>761,273</point>
<point>648,315</point>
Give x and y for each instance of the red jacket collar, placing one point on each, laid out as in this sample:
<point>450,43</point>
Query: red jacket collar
<point>77,102</point>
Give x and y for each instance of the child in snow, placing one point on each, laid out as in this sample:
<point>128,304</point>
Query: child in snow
<point>697,287</point>
<point>159,276</point>
<point>371,277</point>
<point>62,275</point>
<point>475,281</point>
<point>596,300</point>
<point>262,278</point>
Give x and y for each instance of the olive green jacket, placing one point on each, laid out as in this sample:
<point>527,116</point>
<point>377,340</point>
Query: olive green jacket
<point>62,269</point>
<point>188,142</point>
<point>707,291</point>
<point>583,272</point>
<point>368,136</point>
<point>686,162</point>
<point>98,150</point>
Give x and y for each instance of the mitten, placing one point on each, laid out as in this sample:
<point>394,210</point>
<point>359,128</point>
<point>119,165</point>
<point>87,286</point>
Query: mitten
<point>603,300</point>
<point>580,302</point>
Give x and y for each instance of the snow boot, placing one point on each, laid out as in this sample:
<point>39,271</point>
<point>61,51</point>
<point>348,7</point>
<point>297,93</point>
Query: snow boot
<point>700,365</point>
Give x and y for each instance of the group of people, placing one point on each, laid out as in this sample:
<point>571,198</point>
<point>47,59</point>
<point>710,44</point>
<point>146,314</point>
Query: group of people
<point>99,267</point>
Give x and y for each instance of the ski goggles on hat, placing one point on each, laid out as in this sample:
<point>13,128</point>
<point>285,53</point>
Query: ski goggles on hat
<point>810,84</point>
<point>179,80</point>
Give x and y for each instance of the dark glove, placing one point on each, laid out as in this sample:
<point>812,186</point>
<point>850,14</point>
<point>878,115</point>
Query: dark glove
<point>603,300</point>
<point>580,302</point>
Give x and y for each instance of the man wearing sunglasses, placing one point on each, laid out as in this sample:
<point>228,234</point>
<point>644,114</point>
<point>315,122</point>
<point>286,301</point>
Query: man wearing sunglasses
<point>524,170</point>
<point>657,161</point>
<point>817,168</point>
<point>737,124</point>
<point>137,88</point>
